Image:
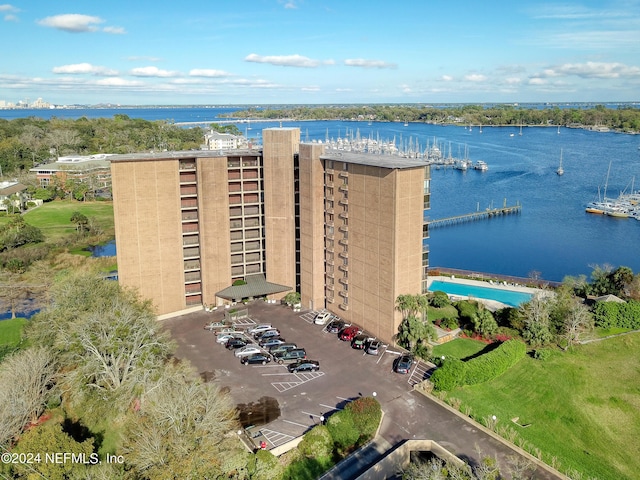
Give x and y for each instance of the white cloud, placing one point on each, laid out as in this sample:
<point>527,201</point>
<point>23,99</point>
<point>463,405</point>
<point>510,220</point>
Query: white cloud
<point>144,59</point>
<point>8,8</point>
<point>208,72</point>
<point>361,62</point>
<point>475,77</point>
<point>447,78</point>
<point>10,12</point>
<point>118,82</point>
<point>72,22</point>
<point>591,70</point>
<point>311,89</point>
<point>288,4</point>
<point>512,80</point>
<point>284,60</point>
<point>537,81</point>
<point>84,68</point>
<point>153,72</point>
<point>114,30</point>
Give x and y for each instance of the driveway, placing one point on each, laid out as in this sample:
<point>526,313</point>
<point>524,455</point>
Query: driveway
<point>278,406</point>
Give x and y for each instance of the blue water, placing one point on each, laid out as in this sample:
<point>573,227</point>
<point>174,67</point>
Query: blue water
<point>552,236</point>
<point>508,297</point>
<point>106,250</point>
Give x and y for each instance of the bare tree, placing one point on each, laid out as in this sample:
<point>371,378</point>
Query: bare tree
<point>577,321</point>
<point>25,380</point>
<point>180,427</point>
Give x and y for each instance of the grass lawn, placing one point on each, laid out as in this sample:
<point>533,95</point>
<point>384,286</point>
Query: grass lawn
<point>459,348</point>
<point>583,406</point>
<point>449,311</point>
<point>54,218</point>
<point>11,331</point>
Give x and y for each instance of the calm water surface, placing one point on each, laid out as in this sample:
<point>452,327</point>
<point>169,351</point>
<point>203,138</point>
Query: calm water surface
<point>553,235</point>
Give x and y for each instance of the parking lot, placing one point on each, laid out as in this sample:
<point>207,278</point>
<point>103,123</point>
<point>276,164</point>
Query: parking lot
<point>303,398</point>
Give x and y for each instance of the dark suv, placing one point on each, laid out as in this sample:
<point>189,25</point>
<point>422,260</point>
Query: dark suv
<point>234,343</point>
<point>290,356</point>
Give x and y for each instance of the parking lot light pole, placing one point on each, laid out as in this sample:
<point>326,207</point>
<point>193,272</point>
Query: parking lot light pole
<point>321,419</point>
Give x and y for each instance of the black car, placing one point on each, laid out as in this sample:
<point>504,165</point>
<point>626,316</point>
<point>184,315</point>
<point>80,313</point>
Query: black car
<point>403,364</point>
<point>234,343</point>
<point>261,358</point>
<point>336,325</point>
<point>304,366</point>
<point>359,341</point>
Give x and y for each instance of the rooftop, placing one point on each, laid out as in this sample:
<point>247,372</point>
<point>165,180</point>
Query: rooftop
<point>129,157</point>
<point>372,159</point>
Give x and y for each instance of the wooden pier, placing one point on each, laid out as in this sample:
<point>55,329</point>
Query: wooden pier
<point>479,215</point>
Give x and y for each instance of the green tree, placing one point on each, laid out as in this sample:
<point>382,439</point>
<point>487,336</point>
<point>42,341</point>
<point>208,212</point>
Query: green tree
<point>413,332</point>
<point>50,438</point>
<point>484,323</point>
<point>536,319</point>
<point>80,220</point>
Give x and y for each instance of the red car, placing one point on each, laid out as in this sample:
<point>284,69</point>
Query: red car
<point>349,333</point>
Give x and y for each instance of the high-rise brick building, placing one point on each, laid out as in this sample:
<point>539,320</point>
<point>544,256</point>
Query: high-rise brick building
<point>347,230</point>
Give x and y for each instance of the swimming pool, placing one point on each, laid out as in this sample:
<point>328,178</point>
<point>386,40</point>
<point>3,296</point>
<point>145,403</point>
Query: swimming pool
<point>508,297</point>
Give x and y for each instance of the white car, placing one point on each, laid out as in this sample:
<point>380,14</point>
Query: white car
<point>259,328</point>
<point>248,350</point>
<point>322,318</point>
<point>223,337</point>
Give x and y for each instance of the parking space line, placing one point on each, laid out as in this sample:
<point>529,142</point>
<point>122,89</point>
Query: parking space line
<point>421,371</point>
<point>329,406</point>
<point>300,424</point>
<point>275,438</point>
<point>311,414</point>
<point>300,377</point>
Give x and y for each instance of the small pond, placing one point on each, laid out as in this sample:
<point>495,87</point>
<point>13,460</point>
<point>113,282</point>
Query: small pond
<point>105,250</point>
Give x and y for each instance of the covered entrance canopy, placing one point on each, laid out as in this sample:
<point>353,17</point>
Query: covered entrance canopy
<point>256,286</point>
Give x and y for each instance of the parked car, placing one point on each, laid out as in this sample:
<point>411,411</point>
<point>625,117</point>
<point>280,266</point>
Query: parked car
<point>274,332</point>
<point>322,318</point>
<point>224,337</point>
<point>234,343</point>
<point>404,363</point>
<point>261,358</point>
<point>290,356</point>
<point>348,333</point>
<point>372,346</point>
<point>283,347</point>
<point>304,366</point>
<point>271,342</point>
<point>358,342</point>
<point>263,327</point>
<point>248,350</point>
<point>335,326</point>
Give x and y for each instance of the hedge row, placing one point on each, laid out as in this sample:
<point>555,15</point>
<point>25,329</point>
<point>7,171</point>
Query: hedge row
<point>480,369</point>
<point>617,315</point>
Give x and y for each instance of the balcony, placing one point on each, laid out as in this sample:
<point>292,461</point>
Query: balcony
<point>188,190</point>
<point>190,241</point>
<point>343,174</point>
<point>192,265</point>
<point>187,178</point>
<point>192,277</point>
<point>344,280</point>
<point>344,228</point>
<point>187,165</point>
<point>344,294</point>
<point>344,268</point>
<point>191,252</point>
<point>344,188</point>
<point>344,306</point>
<point>344,254</point>
<point>343,241</point>
<point>190,228</point>
<point>190,216</point>
<point>344,201</point>
<point>344,215</point>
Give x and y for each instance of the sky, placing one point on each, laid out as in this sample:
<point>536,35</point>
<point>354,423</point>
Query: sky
<point>204,52</point>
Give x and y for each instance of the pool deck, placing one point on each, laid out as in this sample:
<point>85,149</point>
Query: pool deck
<point>492,305</point>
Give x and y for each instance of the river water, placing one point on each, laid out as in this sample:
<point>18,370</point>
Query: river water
<point>552,235</point>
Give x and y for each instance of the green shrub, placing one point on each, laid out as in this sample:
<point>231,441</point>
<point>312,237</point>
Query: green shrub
<point>494,363</point>
<point>238,283</point>
<point>267,466</point>
<point>440,299</point>
<point>617,315</point>
<point>366,414</point>
<point>450,323</point>
<point>317,442</point>
<point>343,430</point>
<point>449,375</point>
<point>466,310</point>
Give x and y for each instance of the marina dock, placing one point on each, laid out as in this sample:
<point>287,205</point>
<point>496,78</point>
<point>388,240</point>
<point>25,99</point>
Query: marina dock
<point>479,215</point>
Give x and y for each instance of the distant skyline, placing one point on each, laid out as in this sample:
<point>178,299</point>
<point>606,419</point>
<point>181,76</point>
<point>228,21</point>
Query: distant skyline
<point>314,52</point>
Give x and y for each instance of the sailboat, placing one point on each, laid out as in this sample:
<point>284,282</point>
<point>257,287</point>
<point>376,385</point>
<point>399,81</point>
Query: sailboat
<point>560,170</point>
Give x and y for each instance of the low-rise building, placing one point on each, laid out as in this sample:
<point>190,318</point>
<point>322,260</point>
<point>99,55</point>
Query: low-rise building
<point>12,196</point>
<point>94,170</point>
